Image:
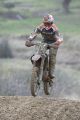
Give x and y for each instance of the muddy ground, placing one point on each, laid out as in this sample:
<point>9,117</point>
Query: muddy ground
<point>38,108</point>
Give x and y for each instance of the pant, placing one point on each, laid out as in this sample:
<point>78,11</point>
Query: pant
<point>52,60</point>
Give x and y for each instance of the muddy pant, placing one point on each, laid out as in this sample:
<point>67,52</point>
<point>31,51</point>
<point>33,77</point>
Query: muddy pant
<point>52,60</point>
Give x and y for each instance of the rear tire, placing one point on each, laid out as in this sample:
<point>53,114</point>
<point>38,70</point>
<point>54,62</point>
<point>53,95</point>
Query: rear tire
<point>47,88</point>
<point>35,81</point>
<point>47,82</point>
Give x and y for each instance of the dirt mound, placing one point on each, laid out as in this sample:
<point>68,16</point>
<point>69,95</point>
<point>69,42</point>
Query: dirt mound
<point>30,108</point>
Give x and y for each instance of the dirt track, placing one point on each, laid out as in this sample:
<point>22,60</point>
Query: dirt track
<point>30,108</point>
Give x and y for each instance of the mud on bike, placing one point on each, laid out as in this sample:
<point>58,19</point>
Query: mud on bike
<point>40,69</point>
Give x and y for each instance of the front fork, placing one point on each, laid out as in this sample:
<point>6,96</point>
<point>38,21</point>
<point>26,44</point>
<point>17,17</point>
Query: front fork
<point>40,68</point>
<point>44,68</point>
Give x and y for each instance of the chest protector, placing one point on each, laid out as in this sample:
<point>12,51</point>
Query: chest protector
<point>48,34</point>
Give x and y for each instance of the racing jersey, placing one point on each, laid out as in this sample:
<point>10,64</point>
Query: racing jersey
<point>49,34</point>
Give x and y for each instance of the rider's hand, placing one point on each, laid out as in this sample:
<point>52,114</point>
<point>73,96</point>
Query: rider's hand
<point>58,42</point>
<point>28,43</point>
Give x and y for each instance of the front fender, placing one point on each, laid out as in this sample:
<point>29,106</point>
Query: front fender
<point>36,57</point>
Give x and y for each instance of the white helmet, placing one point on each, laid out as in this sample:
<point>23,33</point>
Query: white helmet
<point>48,19</point>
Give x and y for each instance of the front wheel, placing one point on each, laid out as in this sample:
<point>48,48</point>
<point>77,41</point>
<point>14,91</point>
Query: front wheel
<point>35,81</point>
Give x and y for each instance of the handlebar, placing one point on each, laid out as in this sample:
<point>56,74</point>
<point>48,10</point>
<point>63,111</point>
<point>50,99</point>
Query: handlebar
<point>44,44</point>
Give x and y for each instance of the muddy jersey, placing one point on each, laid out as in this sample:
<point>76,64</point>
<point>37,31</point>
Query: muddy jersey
<point>48,34</point>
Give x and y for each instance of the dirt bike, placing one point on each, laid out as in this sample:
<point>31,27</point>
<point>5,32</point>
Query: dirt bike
<point>40,70</point>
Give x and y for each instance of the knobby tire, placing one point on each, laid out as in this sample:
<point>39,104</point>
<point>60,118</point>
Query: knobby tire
<point>34,81</point>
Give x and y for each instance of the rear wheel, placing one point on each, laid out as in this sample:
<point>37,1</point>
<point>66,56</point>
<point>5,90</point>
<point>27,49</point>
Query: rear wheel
<point>48,85</point>
<point>35,81</point>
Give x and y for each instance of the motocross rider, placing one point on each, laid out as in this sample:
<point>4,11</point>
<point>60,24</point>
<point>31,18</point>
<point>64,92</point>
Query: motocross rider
<point>50,34</point>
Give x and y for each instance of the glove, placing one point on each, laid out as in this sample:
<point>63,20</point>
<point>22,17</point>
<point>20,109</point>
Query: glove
<point>57,43</point>
<point>28,43</point>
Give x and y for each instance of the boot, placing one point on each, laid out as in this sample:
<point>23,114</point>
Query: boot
<point>51,76</point>
<point>51,72</point>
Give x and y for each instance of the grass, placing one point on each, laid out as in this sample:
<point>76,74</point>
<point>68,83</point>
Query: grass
<point>14,64</point>
<point>16,27</point>
<point>67,23</point>
<point>15,75</point>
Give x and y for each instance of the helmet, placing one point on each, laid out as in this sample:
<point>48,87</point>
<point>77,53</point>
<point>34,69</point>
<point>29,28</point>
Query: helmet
<point>48,19</point>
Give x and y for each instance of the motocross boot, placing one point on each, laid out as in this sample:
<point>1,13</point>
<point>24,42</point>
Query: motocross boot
<point>51,71</point>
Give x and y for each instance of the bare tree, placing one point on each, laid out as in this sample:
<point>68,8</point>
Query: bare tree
<point>66,4</point>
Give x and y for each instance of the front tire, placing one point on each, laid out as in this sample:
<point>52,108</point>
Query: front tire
<point>35,81</point>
